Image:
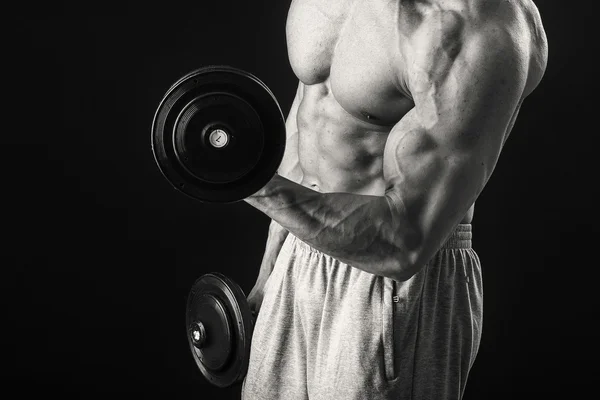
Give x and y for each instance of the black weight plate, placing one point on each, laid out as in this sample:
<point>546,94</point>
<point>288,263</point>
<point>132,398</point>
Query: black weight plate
<point>244,144</point>
<point>223,98</point>
<point>215,351</point>
<point>220,306</point>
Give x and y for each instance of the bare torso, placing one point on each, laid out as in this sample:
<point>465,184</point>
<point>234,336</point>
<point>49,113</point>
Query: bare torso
<point>349,56</point>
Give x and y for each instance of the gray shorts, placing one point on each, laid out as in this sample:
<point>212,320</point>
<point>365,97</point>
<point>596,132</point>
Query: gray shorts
<point>332,332</point>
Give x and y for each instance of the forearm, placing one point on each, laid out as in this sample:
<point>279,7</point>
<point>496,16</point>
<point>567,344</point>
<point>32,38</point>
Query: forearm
<point>362,231</point>
<point>275,239</point>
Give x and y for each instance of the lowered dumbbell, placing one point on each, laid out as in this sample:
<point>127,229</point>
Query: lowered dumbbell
<point>218,134</point>
<point>219,329</point>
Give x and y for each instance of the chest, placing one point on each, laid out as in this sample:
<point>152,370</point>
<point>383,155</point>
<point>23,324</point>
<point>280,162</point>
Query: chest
<point>354,48</point>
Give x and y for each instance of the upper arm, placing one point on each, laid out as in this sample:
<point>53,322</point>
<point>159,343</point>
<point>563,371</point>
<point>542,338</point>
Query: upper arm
<point>466,85</point>
<point>290,164</point>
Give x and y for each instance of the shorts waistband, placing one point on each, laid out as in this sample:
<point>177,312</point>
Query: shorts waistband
<point>460,238</point>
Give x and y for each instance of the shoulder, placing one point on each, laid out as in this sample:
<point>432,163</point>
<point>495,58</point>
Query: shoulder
<point>486,35</point>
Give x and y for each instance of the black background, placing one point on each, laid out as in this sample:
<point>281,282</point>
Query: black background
<point>101,251</point>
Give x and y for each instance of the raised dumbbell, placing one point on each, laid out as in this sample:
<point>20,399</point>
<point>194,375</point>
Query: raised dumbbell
<point>218,134</point>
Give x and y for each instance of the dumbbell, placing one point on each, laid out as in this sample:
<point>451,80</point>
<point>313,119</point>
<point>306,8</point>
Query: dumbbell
<point>218,134</point>
<point>219,329</point>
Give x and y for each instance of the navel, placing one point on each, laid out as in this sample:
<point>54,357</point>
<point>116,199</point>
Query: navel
<point>369,116</point>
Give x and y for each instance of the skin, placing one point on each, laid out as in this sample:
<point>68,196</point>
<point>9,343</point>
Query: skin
<point>399,119</point>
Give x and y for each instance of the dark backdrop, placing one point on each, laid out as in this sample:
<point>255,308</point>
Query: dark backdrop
<point>102,251</point>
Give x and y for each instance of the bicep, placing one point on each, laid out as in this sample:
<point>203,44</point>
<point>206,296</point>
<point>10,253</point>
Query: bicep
<point>430,183</point>
<point>440,155</point>
<point>290,164</point>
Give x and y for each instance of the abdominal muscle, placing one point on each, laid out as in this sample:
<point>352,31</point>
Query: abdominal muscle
<point>339,151</point>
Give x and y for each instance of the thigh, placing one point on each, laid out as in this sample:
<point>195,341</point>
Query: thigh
<point>448,325</point>
<point>344,337</point>
<point>277,367</point>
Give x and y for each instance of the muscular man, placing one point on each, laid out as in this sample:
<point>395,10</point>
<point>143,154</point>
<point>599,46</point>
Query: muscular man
<point>369,287</point>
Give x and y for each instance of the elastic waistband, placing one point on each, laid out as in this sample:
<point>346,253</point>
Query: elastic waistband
<point>460,238</point>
